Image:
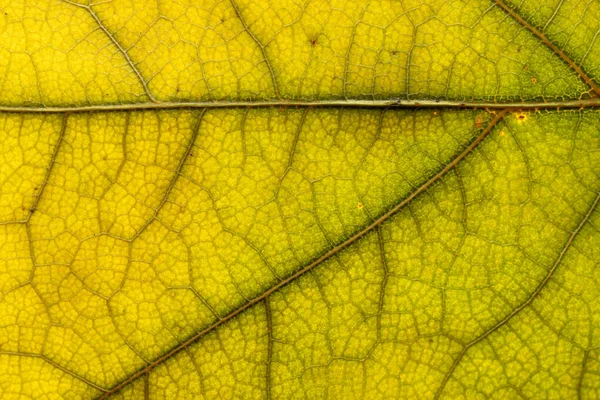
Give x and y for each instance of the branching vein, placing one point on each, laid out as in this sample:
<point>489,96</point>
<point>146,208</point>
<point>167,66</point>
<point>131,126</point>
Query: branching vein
<point>335,250</point>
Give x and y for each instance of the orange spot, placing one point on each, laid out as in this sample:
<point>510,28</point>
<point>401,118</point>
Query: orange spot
<point>501,133</point>
<point>534,80</point>
<point>360,206</point>
<point>172,294</point>
<point>435,113</point>
<point>478,123</point>
<point>521,116</point>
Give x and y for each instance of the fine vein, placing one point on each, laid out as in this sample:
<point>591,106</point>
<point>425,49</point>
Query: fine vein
<point>120,48</point>
<point>540,35</point>
<point>336,249</point>
<point>528,301</point>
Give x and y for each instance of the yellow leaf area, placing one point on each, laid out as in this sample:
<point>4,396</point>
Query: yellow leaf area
<point>209,199</point>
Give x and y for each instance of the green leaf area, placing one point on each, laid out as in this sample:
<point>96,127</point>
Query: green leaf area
<point>296,199</point>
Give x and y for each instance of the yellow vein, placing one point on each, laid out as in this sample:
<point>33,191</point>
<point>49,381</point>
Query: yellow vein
<point>522,306</point>
<point>176,175</point>
<point>55,365</point>
<point>393,103</point>
<point>51,164</point>
<point>336,249</point>
<point>263,51</point>
<point>112,38</point>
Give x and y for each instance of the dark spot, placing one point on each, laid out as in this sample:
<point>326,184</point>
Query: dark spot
<point>32,210</point>
<point>223,19</point>
<point>519,49</point>
<point>35,188</point>
<point>314,40</point>
<point>437,100</point>
<point>394,52</point>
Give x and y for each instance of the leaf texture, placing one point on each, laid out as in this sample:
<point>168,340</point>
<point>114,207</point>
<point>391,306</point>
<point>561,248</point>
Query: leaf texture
<point>299,200</point>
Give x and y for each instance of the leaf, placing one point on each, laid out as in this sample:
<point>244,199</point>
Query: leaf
<point>236,199</point>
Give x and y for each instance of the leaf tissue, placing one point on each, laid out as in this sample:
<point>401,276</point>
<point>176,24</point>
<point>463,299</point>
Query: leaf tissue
<point>299,199</point>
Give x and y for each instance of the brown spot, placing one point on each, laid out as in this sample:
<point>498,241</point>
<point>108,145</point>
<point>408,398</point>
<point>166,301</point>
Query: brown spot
<point>534,80</point>
<point>394,52</point>
<point>478,123</point>
<point>527,68</point>
<point>314,40</point>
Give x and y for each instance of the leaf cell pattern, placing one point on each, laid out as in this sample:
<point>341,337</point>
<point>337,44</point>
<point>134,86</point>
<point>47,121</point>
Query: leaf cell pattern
<point>234,199</point>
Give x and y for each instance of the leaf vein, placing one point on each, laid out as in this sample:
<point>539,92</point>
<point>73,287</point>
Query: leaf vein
<point>528,301</point>
<point>310,266</point>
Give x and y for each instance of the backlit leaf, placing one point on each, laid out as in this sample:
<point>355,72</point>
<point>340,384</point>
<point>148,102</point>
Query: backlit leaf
<point>289,200</point>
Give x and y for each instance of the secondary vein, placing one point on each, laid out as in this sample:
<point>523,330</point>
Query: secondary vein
<point>336,249</point>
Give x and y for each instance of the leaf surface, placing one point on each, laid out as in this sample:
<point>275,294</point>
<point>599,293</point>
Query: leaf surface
<point>313,200</point>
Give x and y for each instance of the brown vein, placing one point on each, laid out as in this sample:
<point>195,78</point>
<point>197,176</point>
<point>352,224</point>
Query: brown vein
<point>334,250</point>
<point>540,35</point>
